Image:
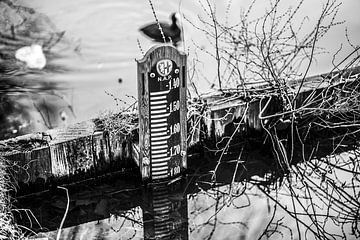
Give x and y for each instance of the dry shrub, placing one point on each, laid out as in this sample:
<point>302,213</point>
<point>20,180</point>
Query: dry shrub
<point>8,228</point>
<point>265,58</point>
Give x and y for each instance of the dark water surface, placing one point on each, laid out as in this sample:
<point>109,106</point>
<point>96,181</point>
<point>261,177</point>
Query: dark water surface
<point>190,207</point>
<point>248,198</point>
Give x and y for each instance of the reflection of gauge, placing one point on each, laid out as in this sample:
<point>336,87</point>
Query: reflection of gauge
<point>165,212</point>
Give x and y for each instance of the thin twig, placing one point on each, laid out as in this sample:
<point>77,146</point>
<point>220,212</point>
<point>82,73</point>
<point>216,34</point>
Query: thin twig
<point>65,214</point>
<point>157,21</point>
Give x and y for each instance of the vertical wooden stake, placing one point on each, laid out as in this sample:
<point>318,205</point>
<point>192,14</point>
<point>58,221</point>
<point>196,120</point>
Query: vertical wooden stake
<point>162,113</point>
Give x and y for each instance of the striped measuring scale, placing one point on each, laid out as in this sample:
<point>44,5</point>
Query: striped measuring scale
<point>165,136</point>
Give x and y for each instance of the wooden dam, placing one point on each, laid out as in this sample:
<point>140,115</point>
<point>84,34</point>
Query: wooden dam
<point>87,150</point>
<point>165,135</point>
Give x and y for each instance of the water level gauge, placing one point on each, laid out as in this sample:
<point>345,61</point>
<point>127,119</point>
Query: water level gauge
<point>162,109</point>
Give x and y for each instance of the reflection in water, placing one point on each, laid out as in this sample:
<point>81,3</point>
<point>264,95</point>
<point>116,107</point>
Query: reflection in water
<point>31,105</point>
<point>28,100</point>
<point>165,212</point>
<point>156,211</point>
<point>250,200</point>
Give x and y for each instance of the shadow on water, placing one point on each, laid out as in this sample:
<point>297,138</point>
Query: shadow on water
<point>186,208</point>
<point>28,101</point>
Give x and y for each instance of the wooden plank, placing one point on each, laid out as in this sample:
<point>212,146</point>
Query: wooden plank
<point>83,150</point>
<point>66,155</point>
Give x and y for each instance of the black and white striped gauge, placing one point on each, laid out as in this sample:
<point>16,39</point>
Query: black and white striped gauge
<point>165,150</point>
<point>162,113</point>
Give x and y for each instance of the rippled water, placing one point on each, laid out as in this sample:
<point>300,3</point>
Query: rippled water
<point>106,35</point>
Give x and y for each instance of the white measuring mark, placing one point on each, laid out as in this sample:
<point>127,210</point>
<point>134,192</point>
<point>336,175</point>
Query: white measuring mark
<point>157,134</point>
<point>158,125</point>
<point>160,160</point>
<point>160,129</point>
<point>159,151</point>
<point>165,115</point>
<point>157,102</point>
<point>164,106</point>
<point>159,174</point>
<point>160,168</point>
<point>159,164</point>
<point>159,155</point>
<point>156,143</point>
<point>159,147</point>
<point>158,120</point>
<point>161,97</point>
<point>159,93</point>
<point>159,138</point>
<point>158,111</point>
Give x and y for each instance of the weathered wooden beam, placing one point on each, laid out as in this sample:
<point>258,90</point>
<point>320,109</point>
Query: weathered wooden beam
<point>67,155</point>
<point>222,111</point>
<point>116,194</point>
<point>85,150</point>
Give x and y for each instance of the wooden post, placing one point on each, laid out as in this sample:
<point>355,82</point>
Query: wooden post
<point>162,113</point>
